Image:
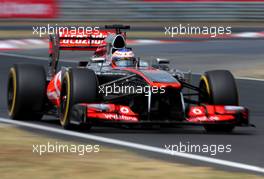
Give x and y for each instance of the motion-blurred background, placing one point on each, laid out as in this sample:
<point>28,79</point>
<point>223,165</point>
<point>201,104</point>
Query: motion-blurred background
<point>133,10</point>
<point>147,19</point>
<point>143,15</point>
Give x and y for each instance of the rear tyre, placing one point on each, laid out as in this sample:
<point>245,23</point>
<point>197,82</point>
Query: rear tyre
<point>26,91</point>
<point>218,87</point>
<point>79,85</point>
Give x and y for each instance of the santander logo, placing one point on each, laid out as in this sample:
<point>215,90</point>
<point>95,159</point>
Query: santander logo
<point>83,39</point>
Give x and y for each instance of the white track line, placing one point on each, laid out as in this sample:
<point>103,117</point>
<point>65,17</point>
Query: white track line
<point>249,78</point>
<point>43,43</point>
<point>136,146</point>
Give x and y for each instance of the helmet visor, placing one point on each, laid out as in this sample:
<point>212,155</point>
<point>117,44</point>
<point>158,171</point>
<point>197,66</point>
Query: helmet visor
<point>125,62</point>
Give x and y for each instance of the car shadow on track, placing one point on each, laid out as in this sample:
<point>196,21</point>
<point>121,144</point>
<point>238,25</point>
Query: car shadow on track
<point>197,130</point>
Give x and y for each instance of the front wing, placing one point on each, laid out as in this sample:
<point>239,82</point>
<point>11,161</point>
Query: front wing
<point>195,115</point>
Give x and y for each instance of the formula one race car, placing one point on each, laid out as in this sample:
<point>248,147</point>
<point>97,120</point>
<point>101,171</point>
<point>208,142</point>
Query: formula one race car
<point>115,88</point>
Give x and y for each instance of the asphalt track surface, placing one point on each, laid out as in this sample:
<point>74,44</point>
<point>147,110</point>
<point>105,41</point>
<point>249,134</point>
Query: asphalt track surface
<point>247,143</point>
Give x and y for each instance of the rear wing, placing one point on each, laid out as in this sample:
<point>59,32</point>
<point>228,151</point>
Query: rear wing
<point>79,40</point>
<point>76,41</point>
<point>73,41</point>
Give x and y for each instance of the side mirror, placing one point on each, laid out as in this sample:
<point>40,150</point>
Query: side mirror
<point>98,60</point>
<point>162,61</point>
<point>143,63</point>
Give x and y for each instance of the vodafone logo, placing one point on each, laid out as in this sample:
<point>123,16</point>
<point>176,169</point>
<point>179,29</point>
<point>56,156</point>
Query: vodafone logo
<point>197,111</point>
<point>124,110</point>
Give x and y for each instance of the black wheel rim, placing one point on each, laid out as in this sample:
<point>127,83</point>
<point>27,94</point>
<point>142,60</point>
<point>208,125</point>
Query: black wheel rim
<point>63,99</point>
<point>203,95</point>
<point>10,93</point>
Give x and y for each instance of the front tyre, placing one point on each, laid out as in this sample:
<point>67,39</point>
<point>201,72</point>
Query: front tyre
<point>218,87</point>
<point>79,85</point>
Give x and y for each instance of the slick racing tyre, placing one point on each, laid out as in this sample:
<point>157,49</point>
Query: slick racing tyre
<point>218,87</point>
<point>26,91</point>
<point>79,85</point>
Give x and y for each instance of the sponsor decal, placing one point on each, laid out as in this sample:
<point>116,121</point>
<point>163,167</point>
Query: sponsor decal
<point>197,111</point>
<point>83,38</point>
<point>120,117</point>
<point>204,118</point>
<point>124,110</point>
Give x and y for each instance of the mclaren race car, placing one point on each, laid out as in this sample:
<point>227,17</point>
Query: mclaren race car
<point>115,88</point>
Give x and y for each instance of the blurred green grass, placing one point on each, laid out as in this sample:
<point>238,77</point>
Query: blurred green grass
<point>18,161</point>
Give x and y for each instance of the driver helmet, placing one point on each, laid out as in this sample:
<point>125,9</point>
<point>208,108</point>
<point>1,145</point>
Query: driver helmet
<point>123,58</point>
